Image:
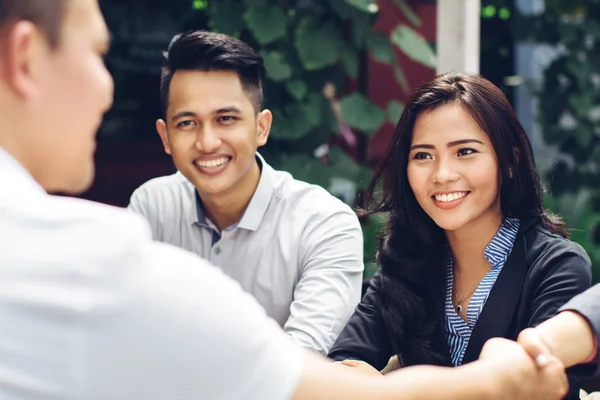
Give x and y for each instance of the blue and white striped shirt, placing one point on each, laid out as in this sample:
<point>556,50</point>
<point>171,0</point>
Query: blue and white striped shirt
<point>458,332</point>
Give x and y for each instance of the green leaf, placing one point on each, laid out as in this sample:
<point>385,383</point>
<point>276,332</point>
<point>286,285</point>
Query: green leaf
<point>343,9</point>
<point>349,57</point>
<point>381,48</point>
<point>297,88</point>
<point>344,166</point>
<point>314,107</point>
<point>276,65</point>
<point>413,45</point>
<point>306,168</point>
<point>394,111</point>
<point>292,124</point>
<point>368,6</point>
<point>408,12</point>
<point>318,45</point>
<point>199,4</point>
<point>267,24</point>
<point>401,78</point>
<point>226,16</point>
<point>361,27</point>
<point>360,113</point>
<point>582,103</point>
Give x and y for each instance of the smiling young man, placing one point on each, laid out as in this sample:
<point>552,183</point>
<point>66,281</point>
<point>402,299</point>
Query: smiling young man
<point>297,249</point>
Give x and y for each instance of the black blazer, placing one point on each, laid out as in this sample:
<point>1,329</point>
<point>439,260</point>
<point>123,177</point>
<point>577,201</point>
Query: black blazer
<point>542,273</point>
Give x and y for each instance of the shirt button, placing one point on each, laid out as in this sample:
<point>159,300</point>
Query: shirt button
<point>217,250</point>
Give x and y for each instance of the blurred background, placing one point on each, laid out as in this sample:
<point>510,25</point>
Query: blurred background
<point>338,73</point>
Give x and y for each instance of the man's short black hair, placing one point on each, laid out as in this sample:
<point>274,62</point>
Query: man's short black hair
<point>208,51</point>
<point>47,15</point>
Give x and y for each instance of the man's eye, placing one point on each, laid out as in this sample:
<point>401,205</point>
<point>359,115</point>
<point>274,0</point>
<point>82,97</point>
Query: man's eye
<point>227,118</point>
<point>184,124</point>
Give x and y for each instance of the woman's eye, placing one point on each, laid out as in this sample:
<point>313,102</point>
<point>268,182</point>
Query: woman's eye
<point>422,156</point>
<point>466,151</point>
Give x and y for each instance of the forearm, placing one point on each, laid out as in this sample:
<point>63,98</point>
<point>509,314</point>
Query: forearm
<point>471,381</point>
<point>322,380</point>
<point>569,337</point>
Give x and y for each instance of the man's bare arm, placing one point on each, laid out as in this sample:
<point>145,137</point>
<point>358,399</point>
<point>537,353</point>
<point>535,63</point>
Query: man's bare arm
<point>505,371</point>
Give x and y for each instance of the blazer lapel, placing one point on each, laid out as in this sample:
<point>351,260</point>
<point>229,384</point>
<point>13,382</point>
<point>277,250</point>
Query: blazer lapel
<point>500,306</point>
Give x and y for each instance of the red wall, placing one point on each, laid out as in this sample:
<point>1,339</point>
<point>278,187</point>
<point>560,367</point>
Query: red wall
<point>382,83</point>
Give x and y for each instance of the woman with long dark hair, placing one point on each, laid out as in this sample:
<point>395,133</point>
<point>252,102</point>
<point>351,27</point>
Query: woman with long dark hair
<point>469,253</point>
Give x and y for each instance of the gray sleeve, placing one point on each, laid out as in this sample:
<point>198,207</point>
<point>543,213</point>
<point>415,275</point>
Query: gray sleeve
<point>587,304</point>
<point>330,284</point>
<point>187,332</point>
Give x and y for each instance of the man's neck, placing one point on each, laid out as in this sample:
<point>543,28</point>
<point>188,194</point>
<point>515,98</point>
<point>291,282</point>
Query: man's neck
<point>227,208</point>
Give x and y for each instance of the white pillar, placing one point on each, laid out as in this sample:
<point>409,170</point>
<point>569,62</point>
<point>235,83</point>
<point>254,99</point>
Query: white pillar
<point>458,30</point>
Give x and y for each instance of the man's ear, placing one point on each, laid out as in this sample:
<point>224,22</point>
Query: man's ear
<point>161,128</point>
<point>264,121</point>
<point>24,54</point>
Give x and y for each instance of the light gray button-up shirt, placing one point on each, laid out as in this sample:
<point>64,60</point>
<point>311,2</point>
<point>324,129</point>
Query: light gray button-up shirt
<point>297,249</point>
<point>91,308</point>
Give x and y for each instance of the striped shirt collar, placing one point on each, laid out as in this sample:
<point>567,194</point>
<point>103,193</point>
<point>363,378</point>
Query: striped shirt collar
<point>458,332</point>
<point>497,251</point>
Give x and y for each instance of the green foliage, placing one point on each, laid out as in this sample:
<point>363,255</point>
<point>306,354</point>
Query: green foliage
<point>305,45</point>
<point>569,101</point>
<point>361,114</point>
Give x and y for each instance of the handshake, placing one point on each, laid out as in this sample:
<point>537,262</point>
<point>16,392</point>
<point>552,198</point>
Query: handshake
<point>531,368</point>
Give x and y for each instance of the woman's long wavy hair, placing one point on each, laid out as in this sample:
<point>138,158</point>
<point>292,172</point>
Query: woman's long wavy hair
<point>412,255</point>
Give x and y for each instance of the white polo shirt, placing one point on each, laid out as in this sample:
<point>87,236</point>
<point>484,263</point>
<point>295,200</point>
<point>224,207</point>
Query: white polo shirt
<point>297,249</point>
<point>92,308</point>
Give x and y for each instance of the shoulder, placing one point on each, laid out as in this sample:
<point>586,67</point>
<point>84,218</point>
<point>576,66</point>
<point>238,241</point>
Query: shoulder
<point>308,199</point>
<point>80,233</point>
<point>545,247</point>
<point>165,185</point>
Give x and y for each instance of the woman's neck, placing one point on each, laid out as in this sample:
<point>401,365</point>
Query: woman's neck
<point>468,243</point>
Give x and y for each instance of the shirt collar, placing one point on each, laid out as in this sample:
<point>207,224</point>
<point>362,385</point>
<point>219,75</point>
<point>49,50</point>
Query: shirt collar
<point>256,208</point>
<point>17,178</point>
<point>497,251</point>
<point>499,248</point>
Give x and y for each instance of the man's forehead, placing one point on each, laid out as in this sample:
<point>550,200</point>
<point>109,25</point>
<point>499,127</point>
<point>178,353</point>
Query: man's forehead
<point>208,90</point>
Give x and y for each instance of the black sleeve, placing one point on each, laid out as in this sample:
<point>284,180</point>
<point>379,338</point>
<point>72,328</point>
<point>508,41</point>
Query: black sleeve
<point>567,273</point>
<point>365,336</point>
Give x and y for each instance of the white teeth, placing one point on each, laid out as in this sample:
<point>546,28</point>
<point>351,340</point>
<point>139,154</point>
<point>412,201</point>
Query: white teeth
<point>446,198</point>
<point>212,163</point>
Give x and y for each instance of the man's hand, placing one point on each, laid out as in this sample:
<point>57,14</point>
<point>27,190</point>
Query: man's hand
<point>361,366</point>
<point>568,336</point>
<point>518,377</point>
<point>534,344</point>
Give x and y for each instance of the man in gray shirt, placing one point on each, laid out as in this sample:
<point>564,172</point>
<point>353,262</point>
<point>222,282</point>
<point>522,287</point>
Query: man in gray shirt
<point>87,309</point>
<point>296,248</point>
